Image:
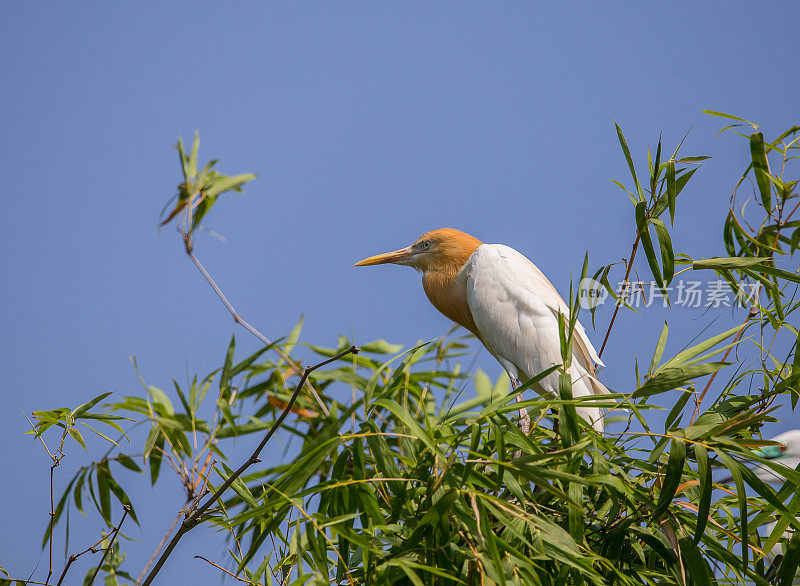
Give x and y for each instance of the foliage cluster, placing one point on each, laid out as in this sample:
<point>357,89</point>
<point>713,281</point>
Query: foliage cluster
<point>392,476</point>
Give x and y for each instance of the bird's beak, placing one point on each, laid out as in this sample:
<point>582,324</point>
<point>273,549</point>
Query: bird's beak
<point>402,256</point>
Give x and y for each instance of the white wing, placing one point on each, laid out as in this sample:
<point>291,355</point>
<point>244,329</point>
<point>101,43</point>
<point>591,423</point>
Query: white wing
<point>516,311</point>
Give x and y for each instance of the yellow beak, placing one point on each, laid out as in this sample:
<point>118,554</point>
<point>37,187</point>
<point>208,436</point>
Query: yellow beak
<point>397,257</point>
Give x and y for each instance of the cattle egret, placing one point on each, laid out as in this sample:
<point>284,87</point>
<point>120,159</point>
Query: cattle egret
<point>507,303</point>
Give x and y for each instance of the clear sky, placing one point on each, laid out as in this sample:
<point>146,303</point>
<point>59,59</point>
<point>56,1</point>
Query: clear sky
<point>369,124</point>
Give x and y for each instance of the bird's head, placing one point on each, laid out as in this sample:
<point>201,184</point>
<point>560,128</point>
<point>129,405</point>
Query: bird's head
<point>437,249</point>
<point>789,447</point>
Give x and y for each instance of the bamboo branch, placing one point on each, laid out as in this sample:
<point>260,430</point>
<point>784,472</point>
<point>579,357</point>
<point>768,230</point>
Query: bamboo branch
<point>187,243</point>
<point>158,549</point>
<point>193,519</point>
<point>59,454</point>
<point>92,549</point>
<point>231,574</point>
<point>112,536</point>
<point>624,284</point>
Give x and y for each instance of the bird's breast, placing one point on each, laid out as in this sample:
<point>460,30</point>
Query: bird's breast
<point>447,291</point>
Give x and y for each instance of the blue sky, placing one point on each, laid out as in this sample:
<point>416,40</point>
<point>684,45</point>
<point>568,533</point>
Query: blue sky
<point>369,124</point>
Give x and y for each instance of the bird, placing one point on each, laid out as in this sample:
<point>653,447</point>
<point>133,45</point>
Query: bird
<point>508,304</point>
<point>786,454</point>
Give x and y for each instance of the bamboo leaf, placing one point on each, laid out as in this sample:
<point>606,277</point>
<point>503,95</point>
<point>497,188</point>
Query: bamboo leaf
<point>761,169</point>
<point>791,561</point>
<point>623,143</point>
<point>672,475</point>
<point>706,486</point>
<point>647,243</point>
<point>735,468</point>
<point>665,245</point>
<point>672,377</point>
<point>79,411</point>
<point>659,351</point>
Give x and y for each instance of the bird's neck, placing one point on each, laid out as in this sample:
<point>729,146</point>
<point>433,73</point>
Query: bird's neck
<point>445,284</point>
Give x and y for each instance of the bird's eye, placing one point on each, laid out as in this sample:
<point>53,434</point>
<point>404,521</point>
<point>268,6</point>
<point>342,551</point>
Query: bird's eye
<point>425,244</point>
<point>783,447</point>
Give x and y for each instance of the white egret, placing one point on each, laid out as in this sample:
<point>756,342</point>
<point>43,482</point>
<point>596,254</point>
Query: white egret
<point>507,303</point>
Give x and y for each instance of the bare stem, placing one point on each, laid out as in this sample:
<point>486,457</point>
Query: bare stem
<point>231,574</point>
<point>75,556</point>
<point>91,548</point>
<point>187,242</point>
<point>158,549</point>
<point>56,461</point>
<point>52,520</point>
<point>192,519</point>
<point>624,284</point>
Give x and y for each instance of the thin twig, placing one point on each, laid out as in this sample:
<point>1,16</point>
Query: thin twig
<point>624,284</point>
<point>187,242</point>
<point>158,549</point>
<point>52,520</point>
<point>112,536</point>
<point>194,518</point>
<point>232,575</point>
<point>56,461</point>
<point>75,556</point>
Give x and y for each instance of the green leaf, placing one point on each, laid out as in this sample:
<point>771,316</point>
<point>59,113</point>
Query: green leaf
<point>665,244</point>
<point>741,263</point>
<point>791,561</point>
<point>76,414</point>
<point>238,486</point>
<point>728,263</point>
<point>623,143</point>
<point>575,515</point>
<point>294,335</point>
<point>685,356</point>
<point>403,415</point>
<point>225,376</point>
<point>182,397</point>
<point>671,478</point>
<point>724,115</point>
<point>761,169</point>
<point>792,381</point>
<point>706,487</point>
<point>695,564</point>
<point>160,398</point>
<point>672,377</point>
<point>381,347</point>
<point>735,468</point>
<point>677,409</point>
<point>567,414</point>
<point>76,435</point>
<point>672,191</point>
<point>659,351</point>
<point>191,167</point>
<point>656,168</point>
<point>104,492</point>
<point>128,463</point>
<point>647,244</point>
<point>226,183</point>
<point>155,455</point>
<point>184,161</point>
